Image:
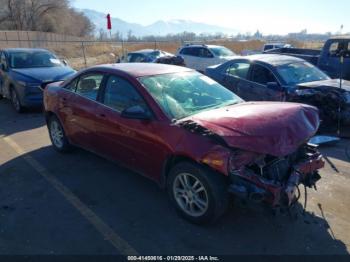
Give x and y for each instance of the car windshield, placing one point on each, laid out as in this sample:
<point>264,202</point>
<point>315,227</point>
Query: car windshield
<point>33,59</point>
<point>222,51</point>
<point>183,94</point>
<point>300,72</point>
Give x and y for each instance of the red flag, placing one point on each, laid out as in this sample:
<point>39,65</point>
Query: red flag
<point>109,22</point>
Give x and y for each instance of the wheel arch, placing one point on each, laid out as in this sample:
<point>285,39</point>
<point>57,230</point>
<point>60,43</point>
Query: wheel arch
<point>48,114</point>
<point>173,160</point>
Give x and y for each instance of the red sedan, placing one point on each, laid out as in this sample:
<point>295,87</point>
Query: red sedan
<point>188,133</point>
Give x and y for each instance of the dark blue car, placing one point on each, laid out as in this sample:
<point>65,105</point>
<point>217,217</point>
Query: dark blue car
<point>24,72</point>
<point>271,77</point>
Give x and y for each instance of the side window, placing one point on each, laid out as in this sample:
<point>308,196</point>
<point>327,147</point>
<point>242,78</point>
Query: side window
<point>239,70</point>
<point>89,85</point>
<point>338,47</point>
<point>204,52</point>
<point>184,51</point>
<point>262,75</point>
<point>135,58</point>
<point>120,95</point>
<point>72,85</point>
<point>191,51</point>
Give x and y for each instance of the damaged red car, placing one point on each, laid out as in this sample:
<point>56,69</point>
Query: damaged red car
<point>188,133</point>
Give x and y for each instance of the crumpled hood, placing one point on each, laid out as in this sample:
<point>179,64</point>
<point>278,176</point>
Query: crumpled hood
<point>332,83</point>
<point>272,128</point>
<point>45,74</point>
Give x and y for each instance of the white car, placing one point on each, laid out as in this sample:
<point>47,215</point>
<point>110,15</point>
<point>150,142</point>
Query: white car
<point>271,46</point>
<point>199,57</point>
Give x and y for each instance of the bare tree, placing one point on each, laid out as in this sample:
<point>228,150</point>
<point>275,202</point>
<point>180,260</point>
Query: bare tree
<point>43,15</point>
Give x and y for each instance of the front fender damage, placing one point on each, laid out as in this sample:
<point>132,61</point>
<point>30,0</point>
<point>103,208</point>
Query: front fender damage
<point>260,177</point>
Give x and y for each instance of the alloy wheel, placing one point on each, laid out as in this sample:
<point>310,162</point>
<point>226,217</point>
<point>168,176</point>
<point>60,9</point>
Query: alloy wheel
<point>15,101</point>
<point>190,195</point>
<point>56,133</point>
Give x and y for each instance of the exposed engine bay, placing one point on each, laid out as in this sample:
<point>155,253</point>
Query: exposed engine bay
<point>333,103</point>
<point>263,177</point>
<point>275,180</point>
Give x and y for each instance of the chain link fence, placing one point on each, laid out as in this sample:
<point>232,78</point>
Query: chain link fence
<point>83,52</point>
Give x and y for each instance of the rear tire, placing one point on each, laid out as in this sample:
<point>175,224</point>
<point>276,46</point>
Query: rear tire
<point>16,103</point>
<point>199,194</point>
<point>57,135</point>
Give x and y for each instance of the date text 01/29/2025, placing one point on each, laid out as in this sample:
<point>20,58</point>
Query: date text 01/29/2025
<point>173,258</point>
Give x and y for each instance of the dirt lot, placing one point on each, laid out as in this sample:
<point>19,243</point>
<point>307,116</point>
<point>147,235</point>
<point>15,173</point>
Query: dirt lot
<point>81,204</point>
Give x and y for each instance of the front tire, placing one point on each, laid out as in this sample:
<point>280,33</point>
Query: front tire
<point>57,135</point>
<point>199,194</point>
<point>16,103</point>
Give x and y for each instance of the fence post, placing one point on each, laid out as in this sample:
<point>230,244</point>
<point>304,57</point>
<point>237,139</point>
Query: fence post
<point>83,48</point>
<point>7,41</point>
<point>122,47</point>
<point>19,40</point>
<point>29,45</point>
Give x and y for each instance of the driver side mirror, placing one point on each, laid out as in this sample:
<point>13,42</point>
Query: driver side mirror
<point>275,86</point>
<point>136,112</point>
<point>65,62</point>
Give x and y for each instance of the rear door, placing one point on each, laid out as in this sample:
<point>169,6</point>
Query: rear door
<point>235,78</point>
<point>78,108</point>
<point>259,77</point>
<point>190,55</point>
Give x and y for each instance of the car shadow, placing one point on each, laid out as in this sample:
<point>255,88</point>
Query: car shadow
<point>139,211</point>
<point>12,122</point>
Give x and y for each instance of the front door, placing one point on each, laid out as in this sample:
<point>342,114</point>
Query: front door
<point>130,142</point>
<point>259,78</point>
<point>330,62</point>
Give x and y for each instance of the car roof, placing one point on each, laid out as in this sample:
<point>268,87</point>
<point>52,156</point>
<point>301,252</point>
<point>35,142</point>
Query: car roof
<point>13,50</point>
<point>274,59</point>
<point>141,69</point>
<point>145,51</point>
<point>199,45</point>
<point>275,44</point>
<point>340,37</point>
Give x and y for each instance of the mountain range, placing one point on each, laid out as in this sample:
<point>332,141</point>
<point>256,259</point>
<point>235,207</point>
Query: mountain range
<point>158,28</point>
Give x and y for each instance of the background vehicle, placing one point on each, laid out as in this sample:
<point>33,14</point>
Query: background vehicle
<point>24,72</point>
<point>199,57</point>
<point>271,46</point>
<point>152,56</point>
<point>284,78</point>
<point>188,133</point>
<point>327,59</point>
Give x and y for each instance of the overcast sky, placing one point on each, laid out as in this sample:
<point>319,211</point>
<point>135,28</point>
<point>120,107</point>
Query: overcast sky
<point>268,16</point>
